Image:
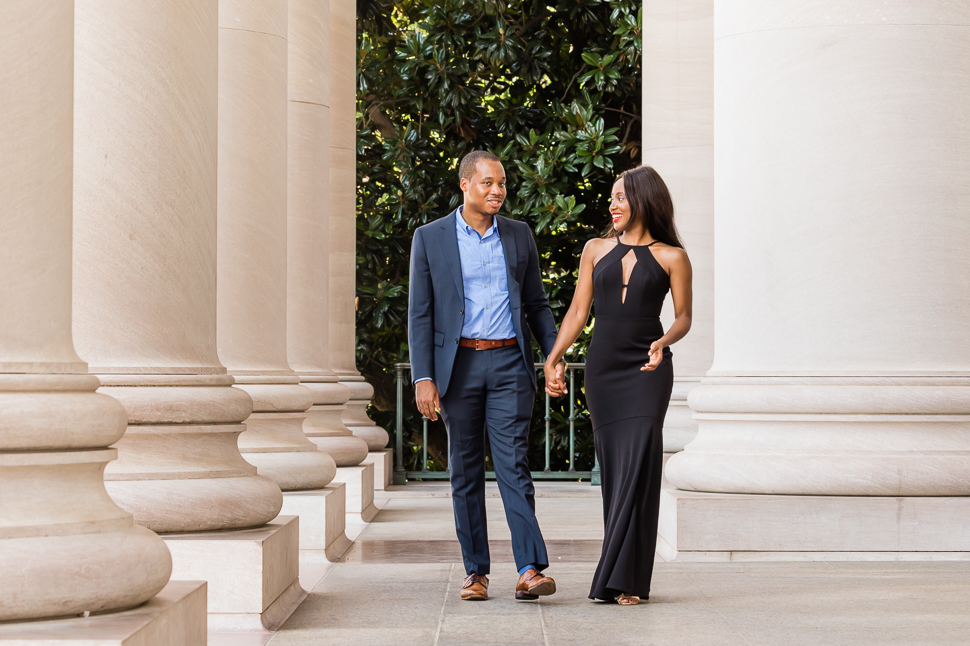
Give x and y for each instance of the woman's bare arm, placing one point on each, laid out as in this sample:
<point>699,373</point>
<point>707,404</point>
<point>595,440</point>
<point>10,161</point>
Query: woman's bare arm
<point>575,319</point>
<point>677,263</point>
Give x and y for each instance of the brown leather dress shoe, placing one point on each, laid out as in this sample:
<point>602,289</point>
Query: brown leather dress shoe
<point>533,585</point>
<point>475,588</point>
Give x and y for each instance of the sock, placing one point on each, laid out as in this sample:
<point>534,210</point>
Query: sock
<point>522,570</point>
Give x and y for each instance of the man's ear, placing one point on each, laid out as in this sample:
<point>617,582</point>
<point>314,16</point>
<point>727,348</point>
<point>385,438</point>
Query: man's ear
<point>463,184</point>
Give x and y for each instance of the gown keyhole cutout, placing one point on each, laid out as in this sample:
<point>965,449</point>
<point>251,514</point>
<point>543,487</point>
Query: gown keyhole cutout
<point>628,263</point>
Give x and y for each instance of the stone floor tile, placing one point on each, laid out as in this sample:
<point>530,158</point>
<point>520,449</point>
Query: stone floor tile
<point>238,638</point>
<point>400,585</point>
<point>514,628</point>
<point>847,636</point>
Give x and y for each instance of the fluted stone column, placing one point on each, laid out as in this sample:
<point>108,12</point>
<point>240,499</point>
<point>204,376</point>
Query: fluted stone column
<point>253,242</point>
<point>308,221</point>
<point>678,141</point>
<point>343,224</point>
<point>322,512</point>
<point>65,547</point>
<point>145,263</point>
<point>842,367</point>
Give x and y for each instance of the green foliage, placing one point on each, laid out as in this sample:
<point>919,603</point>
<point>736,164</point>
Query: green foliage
<point>552,88</point>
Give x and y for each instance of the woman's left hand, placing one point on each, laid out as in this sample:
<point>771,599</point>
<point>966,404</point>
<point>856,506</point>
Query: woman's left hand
<point>656,355</point>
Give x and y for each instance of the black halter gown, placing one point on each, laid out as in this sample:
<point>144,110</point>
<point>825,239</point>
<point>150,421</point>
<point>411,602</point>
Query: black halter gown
<point>627,407</point>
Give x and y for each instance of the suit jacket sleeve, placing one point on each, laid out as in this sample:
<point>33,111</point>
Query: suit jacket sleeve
<point>420,312</point>
<point>535,304</point>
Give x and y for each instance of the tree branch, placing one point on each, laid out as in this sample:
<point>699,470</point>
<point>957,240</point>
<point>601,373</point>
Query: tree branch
<point>629,125</point>
<point>381,121</point>
<point>566,93</point>
<point>534,21</point>
<point>629,114</point>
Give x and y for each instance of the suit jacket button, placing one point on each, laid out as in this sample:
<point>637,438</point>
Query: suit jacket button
<point>456,340</point>
<point>463,311</point>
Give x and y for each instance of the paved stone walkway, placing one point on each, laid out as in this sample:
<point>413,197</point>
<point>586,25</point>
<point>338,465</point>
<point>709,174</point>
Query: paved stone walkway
<point>399,585</point>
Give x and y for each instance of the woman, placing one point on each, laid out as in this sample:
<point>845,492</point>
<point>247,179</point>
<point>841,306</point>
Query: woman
<point>629,372</point>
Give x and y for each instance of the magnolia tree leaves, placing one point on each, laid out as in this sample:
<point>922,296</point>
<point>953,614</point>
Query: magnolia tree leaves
<point>553,88</point>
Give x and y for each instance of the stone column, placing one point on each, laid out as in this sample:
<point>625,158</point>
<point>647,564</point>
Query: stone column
<point>145,263</point>
<point>322,512</point>
<point>343,223</point>
<point>678,141</point>
<point>308,238</point>
<point>65,547</point>
<point>253,242</point>
<point>842,368</point>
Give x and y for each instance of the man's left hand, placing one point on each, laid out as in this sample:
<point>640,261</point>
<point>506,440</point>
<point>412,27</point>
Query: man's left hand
<point>555,379</point>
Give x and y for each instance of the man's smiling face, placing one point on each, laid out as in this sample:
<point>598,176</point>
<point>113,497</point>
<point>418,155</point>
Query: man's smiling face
<point>485,191</point>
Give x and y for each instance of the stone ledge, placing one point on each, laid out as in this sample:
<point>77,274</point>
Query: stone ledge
<point>718,527</point>
<point>383,462</point>
<point>253,574</point>
<point>360,490</point>
<point>174,617</point>
<point>322,518</point>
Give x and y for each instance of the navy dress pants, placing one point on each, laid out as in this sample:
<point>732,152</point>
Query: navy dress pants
<point>491,391</point>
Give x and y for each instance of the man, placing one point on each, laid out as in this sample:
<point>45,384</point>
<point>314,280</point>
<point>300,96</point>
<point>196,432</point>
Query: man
<point>476,292</point>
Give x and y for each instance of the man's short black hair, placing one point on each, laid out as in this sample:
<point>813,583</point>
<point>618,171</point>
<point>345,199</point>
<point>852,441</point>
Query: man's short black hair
<point>466,170</point>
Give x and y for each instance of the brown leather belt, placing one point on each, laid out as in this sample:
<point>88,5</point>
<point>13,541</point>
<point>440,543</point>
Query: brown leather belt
<point>486,344</point>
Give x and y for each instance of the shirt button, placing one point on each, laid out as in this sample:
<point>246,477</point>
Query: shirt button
<point>486,307</point>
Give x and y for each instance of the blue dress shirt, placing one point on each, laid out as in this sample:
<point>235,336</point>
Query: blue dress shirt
<point>485,280</point>
<point>488,313</point>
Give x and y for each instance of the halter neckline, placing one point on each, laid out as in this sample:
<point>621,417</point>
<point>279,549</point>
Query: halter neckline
<point>636,245</point>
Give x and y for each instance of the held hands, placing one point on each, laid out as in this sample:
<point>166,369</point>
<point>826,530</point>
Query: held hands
<point>426,397</point>
<point>555,378</point>
<point>656,355</point>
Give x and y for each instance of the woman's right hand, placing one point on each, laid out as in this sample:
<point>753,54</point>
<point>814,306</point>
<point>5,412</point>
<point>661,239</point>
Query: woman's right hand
<point>555,379</point>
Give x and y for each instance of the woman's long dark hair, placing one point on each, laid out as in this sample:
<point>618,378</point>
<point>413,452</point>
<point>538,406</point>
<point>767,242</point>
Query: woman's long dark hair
<point>650,205</point>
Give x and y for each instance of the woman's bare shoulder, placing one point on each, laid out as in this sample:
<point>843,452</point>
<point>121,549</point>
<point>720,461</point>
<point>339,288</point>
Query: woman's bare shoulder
<point>674,254</point>
<point>596,248</point>
<point>671,257</point>
<point>595,243</point>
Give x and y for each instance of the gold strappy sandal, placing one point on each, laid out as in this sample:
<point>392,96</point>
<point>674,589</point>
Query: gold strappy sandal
<point>628,600</point>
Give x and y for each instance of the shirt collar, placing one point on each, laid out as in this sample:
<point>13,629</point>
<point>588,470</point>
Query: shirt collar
<point>464,226</point>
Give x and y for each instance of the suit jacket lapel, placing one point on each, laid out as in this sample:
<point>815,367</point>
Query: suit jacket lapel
<point>511,261</point>
<point>450,248</point>
<point>508,245</point>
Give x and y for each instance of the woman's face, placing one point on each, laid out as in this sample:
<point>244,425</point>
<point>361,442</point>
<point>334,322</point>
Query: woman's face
<point>619,207</point>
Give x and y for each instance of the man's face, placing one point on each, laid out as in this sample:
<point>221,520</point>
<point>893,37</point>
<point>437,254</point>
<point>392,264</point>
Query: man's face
<point>485,191</point>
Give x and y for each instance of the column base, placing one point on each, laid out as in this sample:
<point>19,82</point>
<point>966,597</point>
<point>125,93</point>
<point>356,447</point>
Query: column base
<point>697,526</point>
<point>360,490</point>
<point>322,519</point>
<point>253,574</point>
<point>383,462</point>
<point>375,436</point>
<point>324,428</point>
<point>174,617</point>
<point>680,427</point>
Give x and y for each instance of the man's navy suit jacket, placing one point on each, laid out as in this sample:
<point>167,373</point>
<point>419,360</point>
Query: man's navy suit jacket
<point>436,302</point>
